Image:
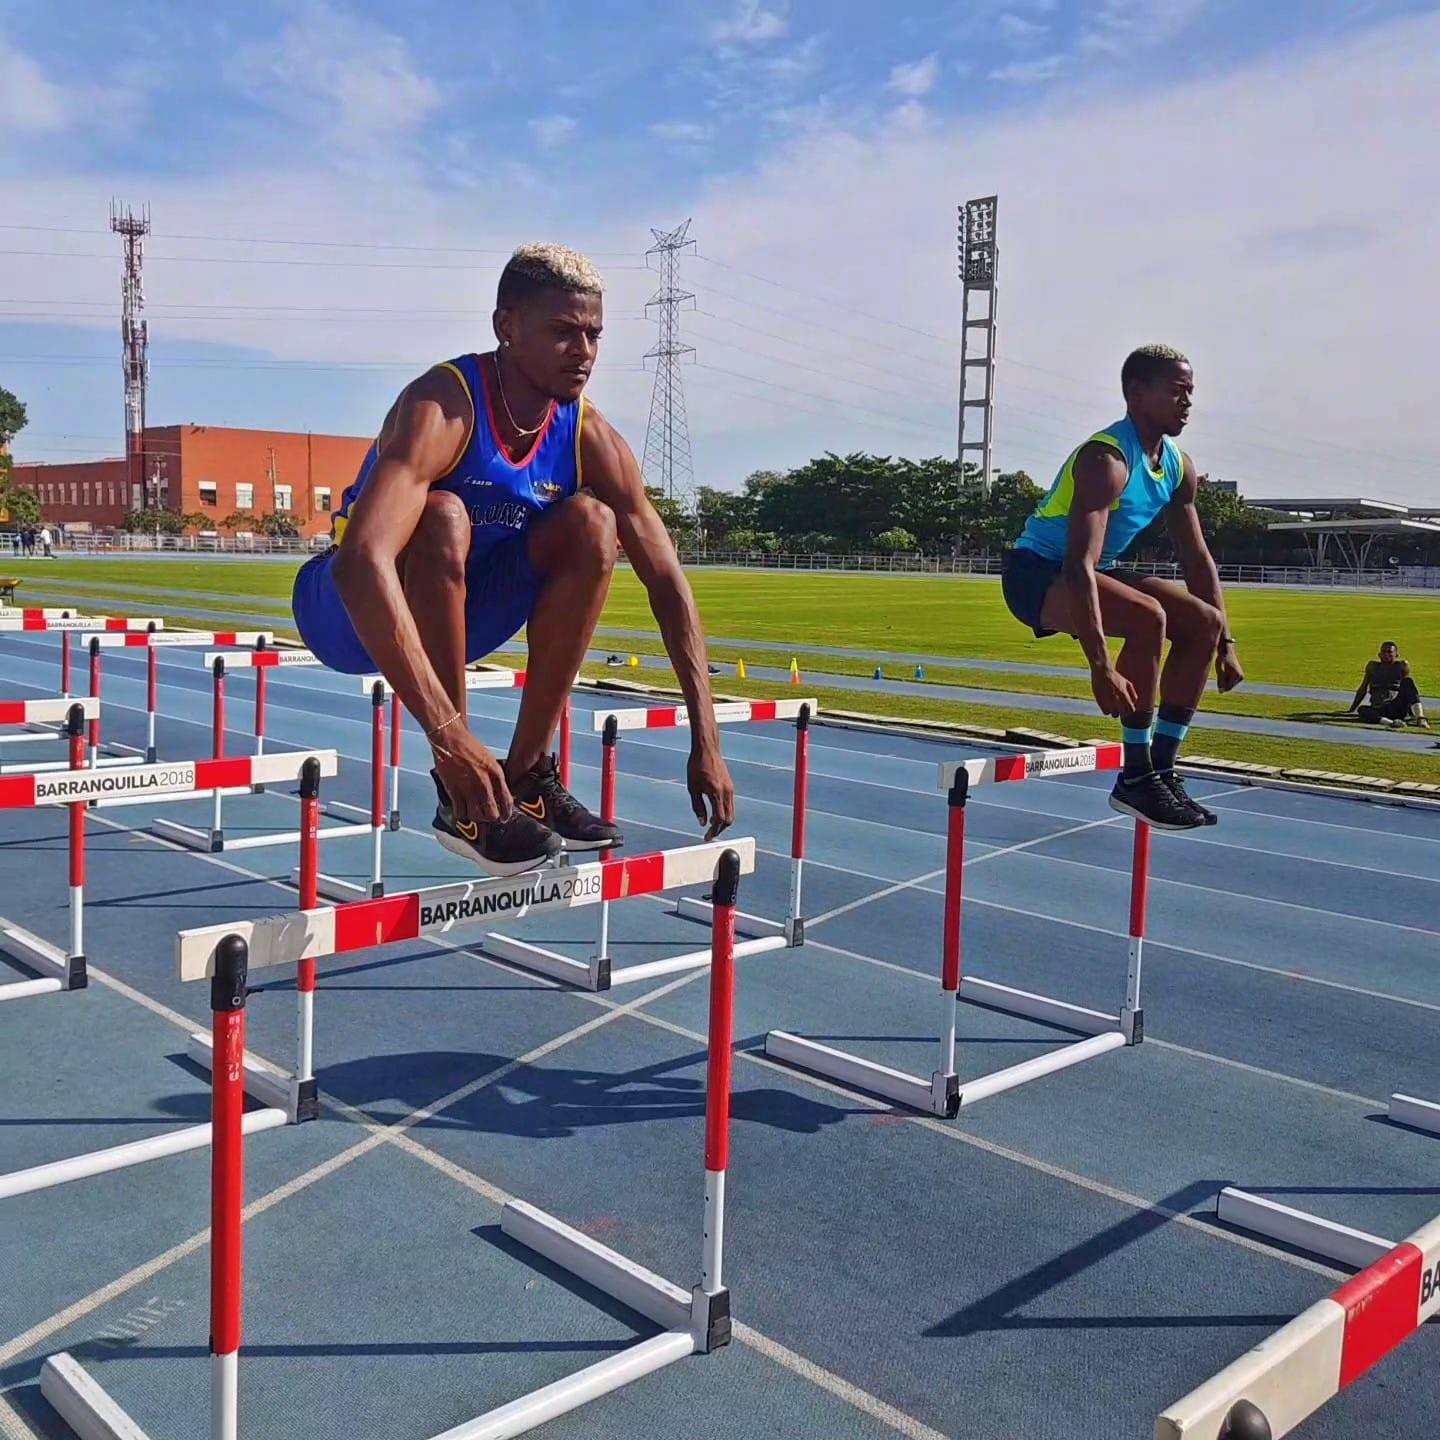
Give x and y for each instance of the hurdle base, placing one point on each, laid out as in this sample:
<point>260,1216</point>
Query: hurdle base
<point>690,907</point>
<point>592,976</point>
<point>332,887</point>
<point>1299,1229</point>
<point>1416,1113</point>
<point>210,841</point>
<point>940,1095</point>
<point>1060,1013</point>
<point>123,1157</point>
<point>83,1403</point>
<point>264,1083</point>
<point>47,960</point>
<point>999,1081</point>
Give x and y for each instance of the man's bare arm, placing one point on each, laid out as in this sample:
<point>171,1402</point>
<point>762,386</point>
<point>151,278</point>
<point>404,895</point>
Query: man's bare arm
<point>1100,476</point>
<point>1202,578</point>
<point>610,471</point>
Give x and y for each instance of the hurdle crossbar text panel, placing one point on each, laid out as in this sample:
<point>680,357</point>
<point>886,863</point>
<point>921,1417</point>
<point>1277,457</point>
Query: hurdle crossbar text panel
<point>158,639</point>
<point>729,712</point>
<point>359,924</point>
<point>182,777</point>
<point>1033,765</point>
<point>500,679</point>
<point>47,712</point>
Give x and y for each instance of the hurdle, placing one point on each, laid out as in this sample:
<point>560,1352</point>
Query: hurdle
<point>944,1092</point>
<point>16,617</point>
<point>332,887</point>
<point>74,788</point>
<point>1289,1376</point>
<point>213,840</point>
<point>693,1322</point>
<point>55,969</point>
<point>599,973</point>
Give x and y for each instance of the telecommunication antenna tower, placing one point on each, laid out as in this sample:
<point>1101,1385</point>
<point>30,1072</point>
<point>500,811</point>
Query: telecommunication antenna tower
<point>667,462</point>
<point>134,344</point>
<point>979,256</point>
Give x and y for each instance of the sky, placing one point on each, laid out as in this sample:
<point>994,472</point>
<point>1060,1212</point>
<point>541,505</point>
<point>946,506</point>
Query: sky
<point>334,185</point>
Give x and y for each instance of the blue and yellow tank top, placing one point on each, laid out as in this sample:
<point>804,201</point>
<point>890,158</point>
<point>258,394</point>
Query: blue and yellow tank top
<point>1147,492</point>
<point>501,495</point>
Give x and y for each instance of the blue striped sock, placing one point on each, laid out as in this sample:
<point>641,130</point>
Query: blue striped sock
<point>1170,729</point>
<point>1135,736</point>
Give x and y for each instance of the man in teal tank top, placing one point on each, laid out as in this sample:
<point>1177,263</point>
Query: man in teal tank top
<point>496,497</point>
<point>1062,575</point>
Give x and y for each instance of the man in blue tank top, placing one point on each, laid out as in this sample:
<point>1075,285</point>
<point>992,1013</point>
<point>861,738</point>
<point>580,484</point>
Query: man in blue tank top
<point>495,498</point>
<point>1062,576</point>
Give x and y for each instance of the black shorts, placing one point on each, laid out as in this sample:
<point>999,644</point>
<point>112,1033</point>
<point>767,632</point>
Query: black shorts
<point>1025,580</point>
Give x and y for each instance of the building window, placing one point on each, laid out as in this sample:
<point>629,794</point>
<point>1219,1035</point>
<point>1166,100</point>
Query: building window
<point>137,501</point>
<point>209,493</point>
<point>244,497</point>
<point>322,500</point>
<point>85,492</point>
<point>282,498</point>
<point>74,493</point>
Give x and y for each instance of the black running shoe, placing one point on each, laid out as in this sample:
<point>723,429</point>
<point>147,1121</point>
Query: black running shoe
<point>1149,798</point>
<point>499,847</point>
<point>1178,790</point>
<point>540,795</point>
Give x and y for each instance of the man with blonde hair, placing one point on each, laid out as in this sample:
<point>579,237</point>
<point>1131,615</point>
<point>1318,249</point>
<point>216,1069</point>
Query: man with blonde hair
<point>494,498</point>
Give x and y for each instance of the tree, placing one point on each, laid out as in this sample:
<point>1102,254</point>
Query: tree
<point>895,541</point>
<point>278,527</point>
<point>148,522</point>
<point>672,513</point>
<point>12,417</point>
<point>196,520</point>
<point>23,507</point>
<point>238,520</point>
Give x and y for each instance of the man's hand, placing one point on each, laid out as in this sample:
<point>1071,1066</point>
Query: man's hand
<point>1228,673</point>
<point>471,775</point>
<point>1114,694</point>
<point>710,783</point>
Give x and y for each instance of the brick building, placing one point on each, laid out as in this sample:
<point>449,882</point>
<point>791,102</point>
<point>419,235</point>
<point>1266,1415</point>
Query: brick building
<point>204,470</point>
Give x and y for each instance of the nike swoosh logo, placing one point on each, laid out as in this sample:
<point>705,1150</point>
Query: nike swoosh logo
<point>467,830</point>
<point>534,808</point>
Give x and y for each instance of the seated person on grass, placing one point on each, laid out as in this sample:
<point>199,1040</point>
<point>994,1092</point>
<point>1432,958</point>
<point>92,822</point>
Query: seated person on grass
<point>1062,576</point>
<point>1394,696</point>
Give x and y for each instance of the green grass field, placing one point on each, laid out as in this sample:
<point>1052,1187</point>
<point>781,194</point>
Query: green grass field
<point>1312,640</point>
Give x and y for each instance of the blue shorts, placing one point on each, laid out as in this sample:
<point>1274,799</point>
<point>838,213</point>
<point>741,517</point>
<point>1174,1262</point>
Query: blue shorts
<point>501,588</point>
<point>1025,580</point>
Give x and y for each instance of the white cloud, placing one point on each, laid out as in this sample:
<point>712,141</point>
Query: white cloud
<point>1030,72</point>
<point>1284,187</point>
<point>687,131</point>
<point>1018,28</point>
<point>917,78</point>
<point>1123,25</point>
<point>750,23</point>
<point>353,81</point>
<point>552,130</point>
<point>29,100</point>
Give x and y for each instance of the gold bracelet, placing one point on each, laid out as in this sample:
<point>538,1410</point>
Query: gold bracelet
<point>435,730</point>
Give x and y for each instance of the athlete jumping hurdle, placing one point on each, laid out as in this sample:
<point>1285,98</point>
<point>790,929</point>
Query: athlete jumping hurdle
<point>492,499</point>
<point>1062,576</point>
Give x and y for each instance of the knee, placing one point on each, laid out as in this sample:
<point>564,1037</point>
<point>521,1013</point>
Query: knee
<point>589,527</point>
<point>1206,623</point>
<point>1148,624</point>
<point>441,542</point>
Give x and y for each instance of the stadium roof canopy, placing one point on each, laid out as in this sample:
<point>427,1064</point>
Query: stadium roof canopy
<point>1356,508</point>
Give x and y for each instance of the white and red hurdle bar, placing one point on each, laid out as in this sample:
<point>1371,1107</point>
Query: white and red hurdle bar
<point>599,973</point>
<point>213,839</point>
<point>944,1092</point>
<point>64,621</point>
<point>74,789</point>
<point>693,1322</point>
<point>150,641</point>
<point>1288,1377</point>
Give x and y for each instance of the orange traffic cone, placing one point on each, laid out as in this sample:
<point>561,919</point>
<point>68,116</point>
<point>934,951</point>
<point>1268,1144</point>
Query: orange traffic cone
<point>794,671</point>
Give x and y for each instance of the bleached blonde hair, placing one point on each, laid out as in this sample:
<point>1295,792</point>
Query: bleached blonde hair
<point>545,266</point>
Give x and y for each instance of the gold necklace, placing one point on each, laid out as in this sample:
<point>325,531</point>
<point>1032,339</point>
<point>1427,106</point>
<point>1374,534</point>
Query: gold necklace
<point>509,414</point>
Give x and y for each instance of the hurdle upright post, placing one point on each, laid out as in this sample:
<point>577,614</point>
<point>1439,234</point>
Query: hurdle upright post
<point>152,704</point>
<point>306,1098</point>
<point>600,960</point>
<point>794,920</point>
<point>717,1080</point>
<point>65,664</point>
<point>396,712</point>
<point>75,977</point>
<point>959,794</point>
<point>261,679</point>
<point>94,648</point>
<point>227,1182</point>
<point>377,790</point>
<point>565,743</point>
<point>217,748</point>
<point>1132,1017</point>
